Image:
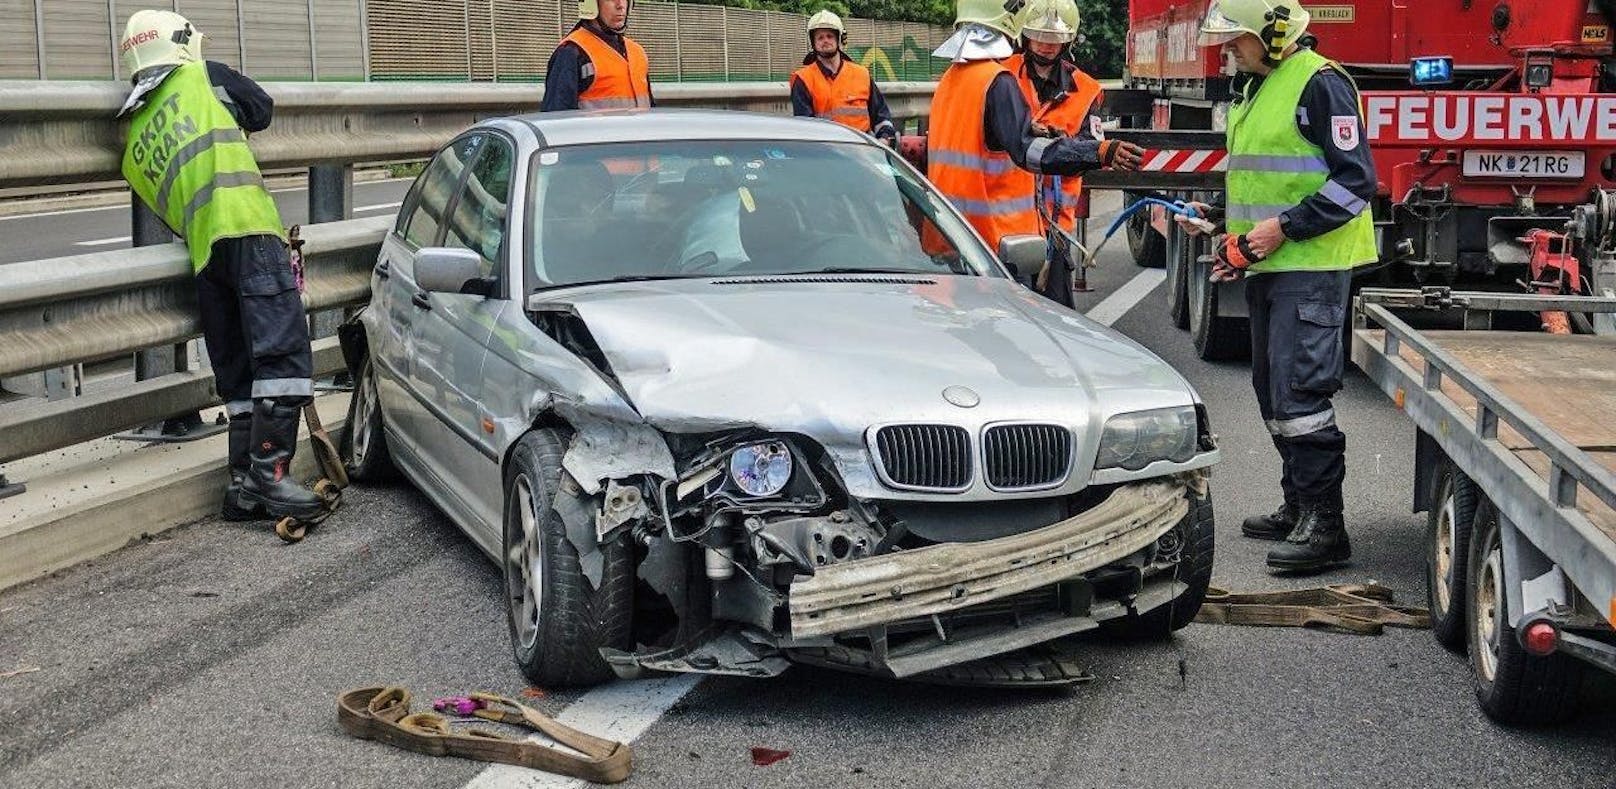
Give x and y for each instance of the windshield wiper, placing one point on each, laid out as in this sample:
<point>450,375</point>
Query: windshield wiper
<point>621,278</point>
<point>853,270</point>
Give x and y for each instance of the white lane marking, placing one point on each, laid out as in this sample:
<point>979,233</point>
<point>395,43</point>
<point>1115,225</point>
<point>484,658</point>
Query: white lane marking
<point>1117,304</point>
<point>620,711</point>
<point>378,206</point>
<point>101,242</point>
<point>625,710</point>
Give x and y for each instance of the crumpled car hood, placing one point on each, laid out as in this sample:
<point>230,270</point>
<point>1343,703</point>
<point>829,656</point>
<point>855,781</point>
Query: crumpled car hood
<point>833,358</point>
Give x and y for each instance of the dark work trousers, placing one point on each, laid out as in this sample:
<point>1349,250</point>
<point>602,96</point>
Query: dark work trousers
<point>1296,365</point>
<point>253,322</point>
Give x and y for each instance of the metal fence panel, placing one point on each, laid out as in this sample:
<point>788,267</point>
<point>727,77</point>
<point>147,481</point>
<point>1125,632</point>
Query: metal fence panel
<point>656,27</point>
<point>19,58</point>
<point>748,44</point>
<point>702,35</point>
<point>277,35</point>
<point>417,39</point>
<point>339,48</point>
<point>788,43</point>
<point>78,39</point>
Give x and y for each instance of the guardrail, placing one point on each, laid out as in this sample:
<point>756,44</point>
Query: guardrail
<point>62,312</point>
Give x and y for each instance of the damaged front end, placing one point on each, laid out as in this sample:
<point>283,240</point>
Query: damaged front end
<point>750,558</point>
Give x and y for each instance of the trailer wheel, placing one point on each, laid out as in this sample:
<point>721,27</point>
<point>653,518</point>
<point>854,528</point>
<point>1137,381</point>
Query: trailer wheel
<point>1181,251</point>
<point>1512,687</point>
<point>1148,247</point>
<point>1447,550</point>
<point>1216,338</point>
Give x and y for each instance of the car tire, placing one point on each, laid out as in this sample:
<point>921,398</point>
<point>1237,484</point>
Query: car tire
<point>364,442</point>
<point>1447,552</point>
<point>1512,686</point>
<point>1216,338</point>
<point>1199,546</point>
<point>558,621</point>
<point>1148,247</point>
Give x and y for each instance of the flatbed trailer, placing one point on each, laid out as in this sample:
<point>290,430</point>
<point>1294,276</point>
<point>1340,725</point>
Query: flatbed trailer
<point>1515,467</point>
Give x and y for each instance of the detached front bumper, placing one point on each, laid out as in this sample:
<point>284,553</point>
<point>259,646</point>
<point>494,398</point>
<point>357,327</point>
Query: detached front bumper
<point>941,579</point>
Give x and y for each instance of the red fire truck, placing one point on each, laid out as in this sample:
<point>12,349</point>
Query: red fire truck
<point>1498,179</point>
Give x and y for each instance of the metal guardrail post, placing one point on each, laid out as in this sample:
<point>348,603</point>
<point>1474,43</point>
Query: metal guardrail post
<point>330,200</point>
<point>146,229</point>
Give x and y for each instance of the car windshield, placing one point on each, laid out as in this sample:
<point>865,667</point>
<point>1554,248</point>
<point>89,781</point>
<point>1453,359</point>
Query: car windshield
<point>602,213</point>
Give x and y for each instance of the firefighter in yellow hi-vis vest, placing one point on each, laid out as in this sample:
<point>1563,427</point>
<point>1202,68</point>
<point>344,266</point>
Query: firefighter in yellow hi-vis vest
<point>187,159</point>
<point>1298,189</point>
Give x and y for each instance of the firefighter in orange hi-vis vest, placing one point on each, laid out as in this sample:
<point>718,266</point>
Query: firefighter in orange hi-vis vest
<point>982,151</point>
<point>596,67</point>
<point>831,86</point>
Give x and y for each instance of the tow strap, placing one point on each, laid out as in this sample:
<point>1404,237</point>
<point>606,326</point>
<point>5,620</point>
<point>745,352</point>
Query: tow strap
<point>383,714</point>
<point>1364,609</point>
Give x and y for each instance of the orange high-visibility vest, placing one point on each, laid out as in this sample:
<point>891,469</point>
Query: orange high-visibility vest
<point>985,185</point>
<point>844,98</point>
<point>619,82</point>
<point>1066,113</point>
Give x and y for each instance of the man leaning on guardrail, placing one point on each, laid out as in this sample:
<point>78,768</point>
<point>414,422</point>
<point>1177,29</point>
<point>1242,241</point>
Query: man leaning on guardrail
<point>187,158</point>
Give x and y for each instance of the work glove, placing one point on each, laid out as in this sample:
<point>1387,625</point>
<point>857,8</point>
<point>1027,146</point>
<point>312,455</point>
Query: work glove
<point>1231,258</point>
<point>1120,155</point>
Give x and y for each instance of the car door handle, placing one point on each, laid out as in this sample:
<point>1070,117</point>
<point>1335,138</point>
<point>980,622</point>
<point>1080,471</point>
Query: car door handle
<point>422,300</point>
<point>383,270</point>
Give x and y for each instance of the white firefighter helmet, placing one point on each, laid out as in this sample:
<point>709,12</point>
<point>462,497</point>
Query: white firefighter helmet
<point>826,20</point>
<point>999,15</point>
<point>1049,21</point>
<point>1277,23</point>
<point>158,38</point>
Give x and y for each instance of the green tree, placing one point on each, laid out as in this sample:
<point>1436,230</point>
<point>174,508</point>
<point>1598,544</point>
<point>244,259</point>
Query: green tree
<point>1103,48</point>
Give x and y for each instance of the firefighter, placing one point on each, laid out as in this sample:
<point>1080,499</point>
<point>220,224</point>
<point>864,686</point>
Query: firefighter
<point>187,159</point>
<point>596,66</point>
<point>982,152</point>
<point>1064,98</point>
<point>831,86</point>
<point>1300,180</point>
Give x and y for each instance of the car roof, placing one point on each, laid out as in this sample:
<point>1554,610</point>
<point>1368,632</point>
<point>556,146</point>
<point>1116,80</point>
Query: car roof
<point>671,125</point>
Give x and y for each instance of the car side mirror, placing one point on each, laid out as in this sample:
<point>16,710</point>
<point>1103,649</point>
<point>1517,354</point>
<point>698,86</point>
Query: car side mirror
<point>1023,255</point>
<point>450,270</point>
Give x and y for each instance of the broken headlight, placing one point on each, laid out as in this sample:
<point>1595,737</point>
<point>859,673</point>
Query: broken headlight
<point>1133,441</point>
<point>761,469</point>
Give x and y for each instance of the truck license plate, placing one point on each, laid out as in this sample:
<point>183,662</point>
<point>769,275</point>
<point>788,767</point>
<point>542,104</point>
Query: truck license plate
<point>1535,164</point>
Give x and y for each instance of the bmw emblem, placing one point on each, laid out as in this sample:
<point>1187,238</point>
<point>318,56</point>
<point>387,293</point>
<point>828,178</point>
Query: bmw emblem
<point>962,396</point>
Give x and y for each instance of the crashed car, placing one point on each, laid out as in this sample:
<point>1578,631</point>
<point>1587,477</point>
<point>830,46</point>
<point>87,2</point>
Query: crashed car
<point>725,392</point>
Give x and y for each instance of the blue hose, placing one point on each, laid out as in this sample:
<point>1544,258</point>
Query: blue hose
<point>1176,207</point>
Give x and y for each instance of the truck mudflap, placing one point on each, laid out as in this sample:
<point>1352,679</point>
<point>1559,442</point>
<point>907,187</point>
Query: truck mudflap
<point>944,578</point>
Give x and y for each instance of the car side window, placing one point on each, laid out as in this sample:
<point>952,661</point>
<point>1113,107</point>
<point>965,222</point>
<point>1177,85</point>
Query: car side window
<point>430,199</point>
<point>477,219</point>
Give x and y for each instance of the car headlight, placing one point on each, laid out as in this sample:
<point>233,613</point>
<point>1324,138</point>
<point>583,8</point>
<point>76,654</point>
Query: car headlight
<point>761,469</point>
<point>1133,441</point>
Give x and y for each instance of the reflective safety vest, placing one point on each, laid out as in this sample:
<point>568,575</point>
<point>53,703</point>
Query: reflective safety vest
<point>1067,112</point>
<point>1272,168</point>
<point>844,98</point>
<point>619,82</point>
<point>188,160</point>
<point>986,186</point>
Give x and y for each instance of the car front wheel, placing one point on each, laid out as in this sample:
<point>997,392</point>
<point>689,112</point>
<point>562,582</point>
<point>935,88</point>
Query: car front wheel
<point>558,620</point>
<point>1195,542</point>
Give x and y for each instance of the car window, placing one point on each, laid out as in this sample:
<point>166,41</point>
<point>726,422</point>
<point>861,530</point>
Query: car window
<point>477,220</point>
<point>430,197</point>
<point>736,208</point>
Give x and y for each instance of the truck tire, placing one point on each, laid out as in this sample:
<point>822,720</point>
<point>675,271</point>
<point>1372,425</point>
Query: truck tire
<point>1512,687</point>
<point>558,622</point>
<point>1447,551</point>
<point>1148,247</point>
<point>1198,544</point>
<point>1216,338</point>
<point>1181,251</point>
<point>363,446</point>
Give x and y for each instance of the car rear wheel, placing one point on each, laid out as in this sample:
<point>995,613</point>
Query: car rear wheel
<point>364,442</point>
<point>558,621</point>
<point>1196,545</point>
<point>1447,551</point>
<point>1512,686</point>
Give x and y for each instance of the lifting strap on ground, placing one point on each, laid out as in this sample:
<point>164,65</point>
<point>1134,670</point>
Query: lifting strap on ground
<point>383,714</point>
<point>1364,609</point>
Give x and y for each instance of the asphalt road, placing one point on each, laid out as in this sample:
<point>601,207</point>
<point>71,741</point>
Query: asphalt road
<point>78,231</point>
<point>211,656</point>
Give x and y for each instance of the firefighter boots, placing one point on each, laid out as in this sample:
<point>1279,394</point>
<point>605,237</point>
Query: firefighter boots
<point>1318,542</point>
<point>1274,526</point>
<point>268,481</point>
<point>240,444</point>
